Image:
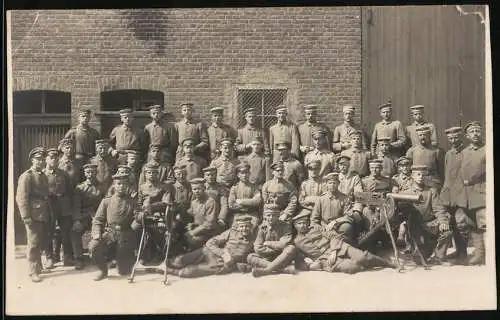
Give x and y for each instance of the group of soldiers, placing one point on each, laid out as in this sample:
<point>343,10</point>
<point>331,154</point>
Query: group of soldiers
<point>249,200</point>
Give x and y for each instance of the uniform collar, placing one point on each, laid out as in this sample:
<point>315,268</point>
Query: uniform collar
<point>386,122</point>
<point>49,170</point>
<point>474,147</point>
<point>187,121</point>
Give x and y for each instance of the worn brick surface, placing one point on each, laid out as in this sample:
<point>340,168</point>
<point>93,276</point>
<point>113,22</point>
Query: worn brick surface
<point>199,55</point>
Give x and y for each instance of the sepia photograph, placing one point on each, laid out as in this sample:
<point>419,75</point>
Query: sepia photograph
<point>278,159</point>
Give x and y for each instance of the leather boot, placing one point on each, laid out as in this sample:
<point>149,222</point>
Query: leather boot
<point>103,273</point>
<point>283,260</point>
<point>35,278</point>
<point>79,265</point>
<point>256,261</point>
<point>259,272</point>
<point>49,264</point>
<point>289,269</point>
<point>372,260</point>
<point>478,256</point>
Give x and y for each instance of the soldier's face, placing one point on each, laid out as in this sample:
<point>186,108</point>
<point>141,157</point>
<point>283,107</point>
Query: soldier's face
<point>281,115</point>
<point>51,161</point>
<point>126,119</point>
<point>197,190</point>
<point>155,153</point>
<point>310,116</point>
<point>132,161</point>
<point>375,171</point>
<point>418,115</point>
<point>120,187</point>
<point>284,153</point>
<point>313,173</point>
<point>186,112</point>
<point>332,185</point>
<point>83,118</point>
<point>318,141</point>
<point>301,226</point>
<point>217,117</point>
<point>67,150</point>
<point>356,140</point>
<point>90,174</point>
<point>423,137</point>
<point>343,166</point>
<point>383,147</point>
<point>210,176</point>
<point>180,175</point>
<point>38,162</point>
<point>243,175</point>
<point>225,150</point>
<point>455,140</point>
<point>271,218</point>
<point>405,169</point>
<point>250,118</point>
<point>474,134</point>
<point>418,176</point>
<point>278,173</point>
<point>155,115</point>
<point>152,175</point>
<point>188,149</point>
<point>100,149</point>
<point>348,116</point>
<point>257,147</point>
<point>243,228</point>
<point>386,114</point>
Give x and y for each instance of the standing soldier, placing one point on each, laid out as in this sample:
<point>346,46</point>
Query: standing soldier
<point>33,201</point>
<point>248,133</point>
<point>306,129</point>
<point>158,132</point>
<point>349,181</point>
<point>402,180</point>
<point>342,133</point>
<point>87,197</point>
<point>259,163</point>
<point>219,192</point>
<point>68,162</point>
<point>388,159</point>
<point>60,198</point>
<point>417,112</point>
<point>273,246</point>
<point>426,154</point>
<point>125,137</point>
<point>281,192</point>
<point>245,197</point>
<point>84,137</point>
<point>294,170</point>
<point>187,128</point>
<point>471,200</point>
<point>217,131</point>
<point>321,152</point>
<point>106,165</point>
<point>389,128</point>
<point>182,200</point>
<point>312,188</point>
<point>226,164</point>
<point>359,155</point>
<point>193,163</point>
<point>284,130</point>
<point>164,168</point>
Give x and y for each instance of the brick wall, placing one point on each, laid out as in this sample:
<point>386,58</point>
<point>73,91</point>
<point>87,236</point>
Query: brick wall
<point>196,55</point>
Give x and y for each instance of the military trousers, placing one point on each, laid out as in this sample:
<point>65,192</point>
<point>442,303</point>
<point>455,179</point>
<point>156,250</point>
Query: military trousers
<point>349,259</point>
<point>114,244</point>
<point>430,239</point>
<point>274,261</point>
<point>64,223</point>
<point>200,263</point>
<point>76,237</point>
<point>38,238</point>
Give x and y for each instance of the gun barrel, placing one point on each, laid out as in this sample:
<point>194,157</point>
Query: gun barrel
<point>401,197</point>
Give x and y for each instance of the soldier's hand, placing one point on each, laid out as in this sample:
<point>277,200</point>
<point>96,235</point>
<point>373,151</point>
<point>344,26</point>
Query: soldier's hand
<point>345,145</point>
<point>283,217</point>
<point>221,223</point>
<point>96,236</point>
<point>308,261</point>
<point>77,226</point>
<point>304,149</point>
<point>443,227</point>
<point>226,257</point>
<point>28,221</point>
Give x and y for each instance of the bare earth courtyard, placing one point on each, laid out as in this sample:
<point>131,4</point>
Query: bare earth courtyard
<point>74,292</point>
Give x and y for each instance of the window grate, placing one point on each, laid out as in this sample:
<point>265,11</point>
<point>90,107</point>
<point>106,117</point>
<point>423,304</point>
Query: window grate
<point>264,101</point>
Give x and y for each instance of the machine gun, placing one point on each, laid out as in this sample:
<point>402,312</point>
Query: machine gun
<point>391,208</point>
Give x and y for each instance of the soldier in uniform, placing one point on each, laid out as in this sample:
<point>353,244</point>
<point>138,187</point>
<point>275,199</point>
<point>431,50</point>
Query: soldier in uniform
<point>84,137</point>
<point>60,198</point>
<point>359,155</point>
<point>217,131</point>
<point>219,192</point>
<point>244,196</point>
<point>134,163</point>
<point>226,164</point>
<point>182,200</point>
<point>32,199</point>
<point>133,183</point>
<point>125,137</point>
<point>187,128</point>
<point>284,130</point>
<point>389,128</point>
<point>294,170</point>
<point>273,245</point>
<point>193,163</point>
<point>402,180</point>
<point>247,134</point>
<point>106,165</point>
<point>342,133</point>
<point>68,163</point>
<point>203,213</point>
<point>164,168</point>
<point>281,192</point>
<point>306,129</point>
<point>433,222</point>
<point>112,233</point>
<point>426,154</point>
<point>349,181</point>
<point>388,159</point>
<point>471,199</point>
<point>86,199</point>
<point>221,254</point>
<point>260,170</point>
<point>417,112</point>
<point>158,132</point>
<point>321,152</point>
<point>322,249</point>
<point>376,183</point>
<point>312,188</point>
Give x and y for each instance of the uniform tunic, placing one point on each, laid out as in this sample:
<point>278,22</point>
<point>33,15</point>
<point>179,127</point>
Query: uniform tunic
<point>329,207</point>
<point>402,181</point>
<point>246,135</point>
<point>341,134</point>
<point>106,168</point>
<point>388,165</point>
<point>452,181</point>
<point>310,190</point>
<point>165,171</point>
<point>294,171</point>
<point>283,193</point>
<point>60,192</point>
<point>393,129</point>
<point>162,134</point>
<point>349,183</point>
<point>226,170</point>
<point>84,138</point>
<point>204,212</point>
<point>126,138</point>
<point>182,196</point>
<point>188,129</point>
<point>327,159</point>
<point>216,134</point>
<point>194,166</point>
<point>260,170</point>
<point>249,198</point>
<point>431,157</point>
<point>159,194</point>
<point>376,184</point>
<point>306,130</point>
<point>220,193</point>
<point>359,160</point>
<point>277,237</point>
<point>473,170</point>
<point>284,132</point>
<point>73,169</point>
<point>412,134</point>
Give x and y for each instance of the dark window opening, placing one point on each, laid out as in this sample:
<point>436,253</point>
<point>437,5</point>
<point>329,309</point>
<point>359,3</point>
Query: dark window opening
<point>41,102</point>
<point>264,101</point>
<point>137,100</point>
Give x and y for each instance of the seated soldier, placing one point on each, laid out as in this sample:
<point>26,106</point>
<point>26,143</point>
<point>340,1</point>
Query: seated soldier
<point>321,151</point>
<point>134,163</point>
<point>359,155</point>
<point>203,213</point>
<point>226,164</point>
<point>280,191</point>
<point>164,169</point>
<point>193,163</point>
<point>387,158</point>
<point>221,254</point>
<point>431,226</point>
<point>312,188</point>
<point>219,193</point>
<point>349,181</point>
<point>106,165</point>
<point>332,209</point>
<point>402,180</point>
<point>322,249</point>
<point>133,186</point>
<point>294,170</point>
<point>245,197</point>
<point>273,246</point>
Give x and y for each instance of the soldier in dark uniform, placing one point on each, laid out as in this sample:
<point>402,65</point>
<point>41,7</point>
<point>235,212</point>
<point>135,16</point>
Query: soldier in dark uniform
<point>164,168</point>
<point>260,170</point>
<point>342,133</point>
<point>349,181</point>
<point>284,130</point>
<point>388,159</point>
<point>133,184</point>
<point>377,183</point>
<point>248,133</point>
<point>306,129</point>
<point>226,164</point>
<point>219,192</point>
<point>417,112</point>
<point>312,188</point>
<point>159,132</point>
<point>388,127</point>
<point>281,192</point>
<point>84,137</point>
<point>125,137</point>
<point>359,155</point>
<point>112,234</point>
<point>134,163</point>
<point>245,197</point>
<point>86,199</point>
<point>203,213</point>
<point>193,163</point>
<point>294,170</point>
<point>68,163</point>
<point>182,201</point>
<point>320,249</point>
<point>106,165</point>
<point>471,199</point>
<point>187,128</point>
<point>402,180</point>
<point>217,131</point>
<point>273,245</point>
<point>321,152</point>
<point>432,224</point>
<point>221,254</point>
<point>60,200</point>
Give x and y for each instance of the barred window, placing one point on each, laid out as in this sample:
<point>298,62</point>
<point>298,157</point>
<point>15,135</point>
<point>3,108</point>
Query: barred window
<point>264,101</point>
<point>41,102</point>
<point>136,99</point>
